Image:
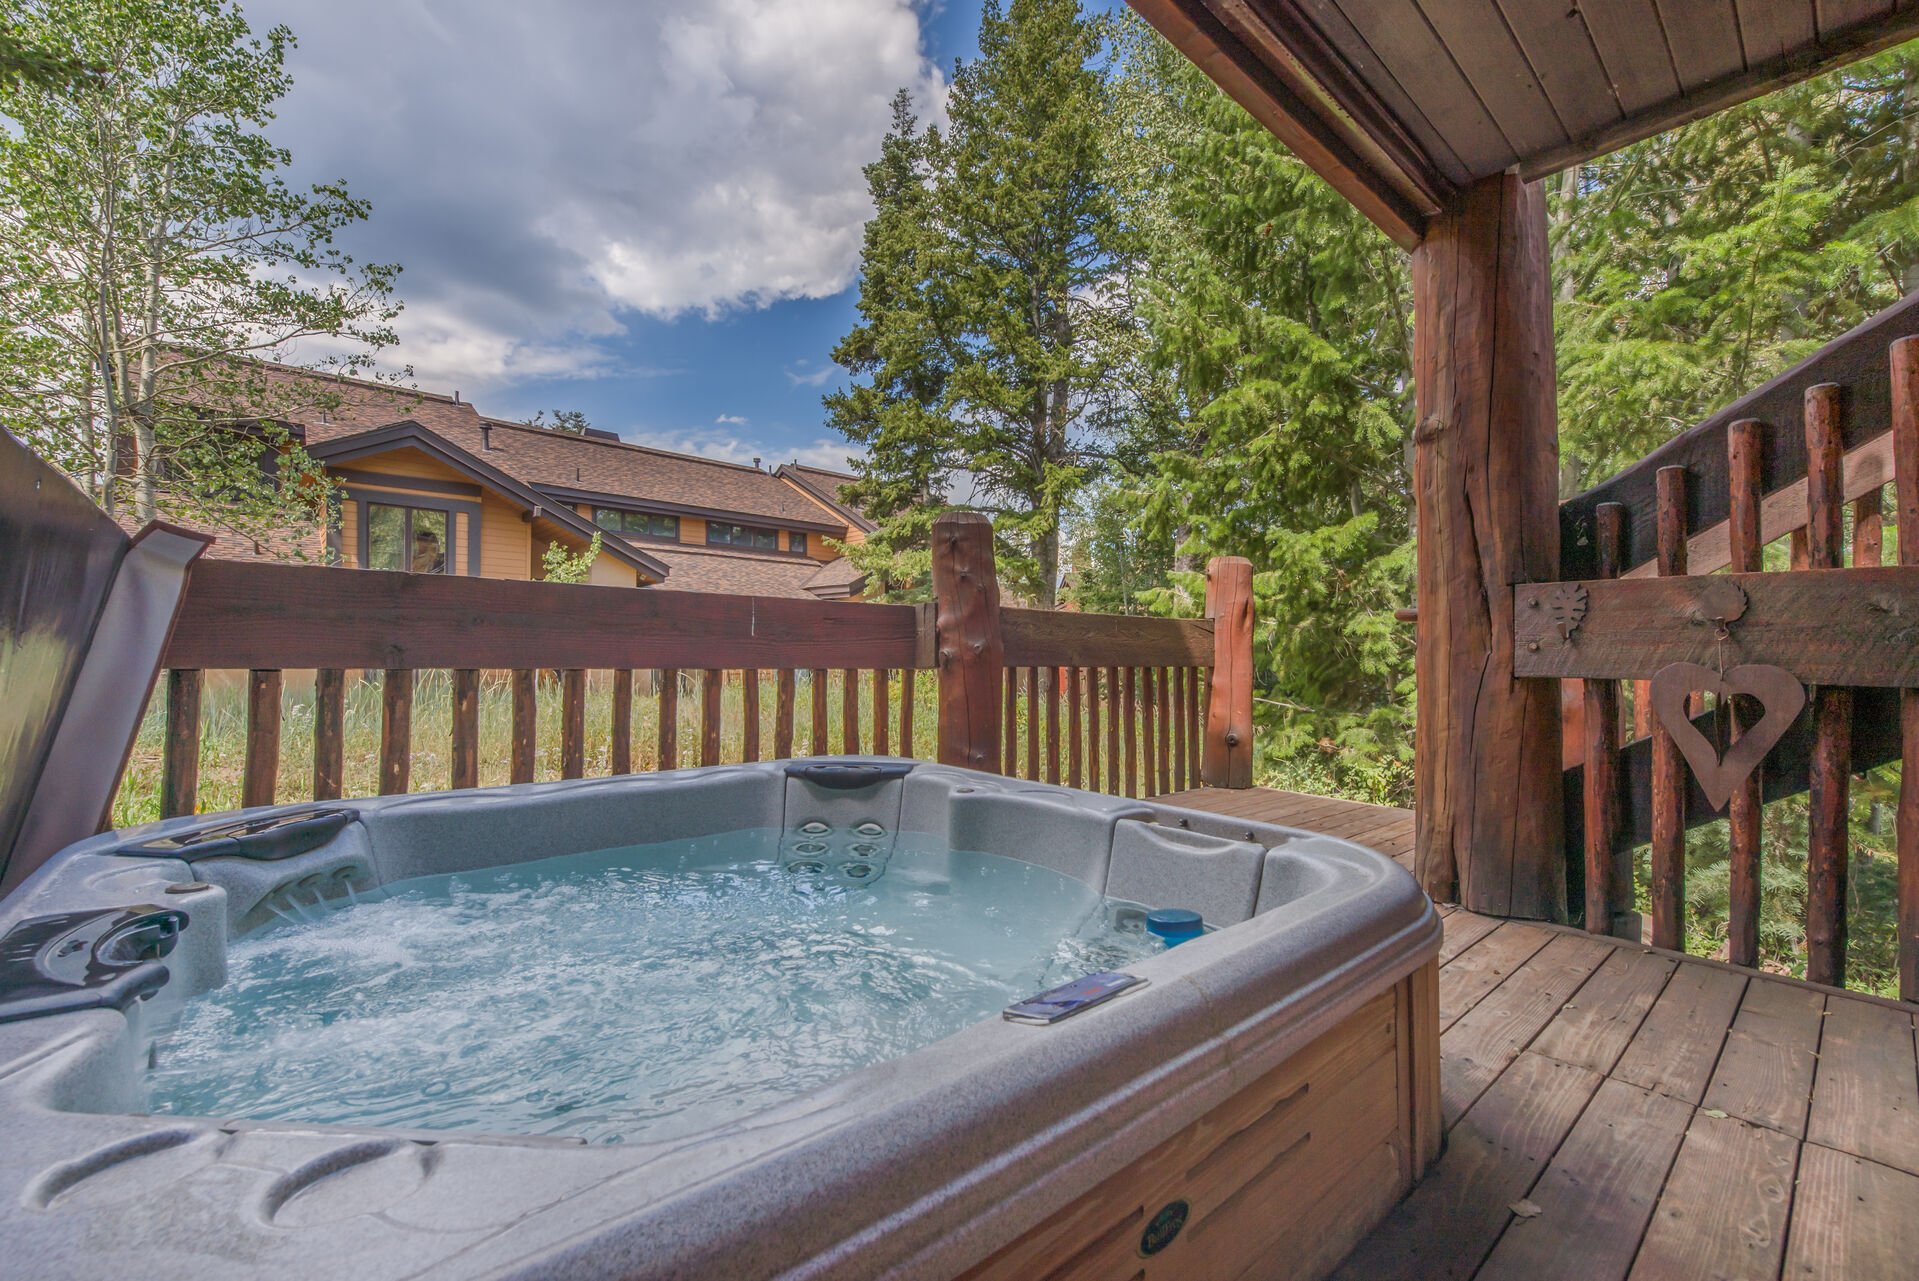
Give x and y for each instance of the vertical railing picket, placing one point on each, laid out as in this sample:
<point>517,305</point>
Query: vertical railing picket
<point>180,756</point>
<point>262,771</point>
<point>1829,772</point>
<point>1668,857</point>
<point>464,761</point>
<point>1745,445</point>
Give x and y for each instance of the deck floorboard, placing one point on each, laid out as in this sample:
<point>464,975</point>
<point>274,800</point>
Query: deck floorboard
<point>1652,1115</point>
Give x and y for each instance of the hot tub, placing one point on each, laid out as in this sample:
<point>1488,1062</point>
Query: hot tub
<point>1251,1109</point>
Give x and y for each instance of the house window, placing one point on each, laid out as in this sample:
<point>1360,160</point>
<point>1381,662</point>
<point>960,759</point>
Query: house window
<point>413,539</point>
<point>742,536</point>
<point>637,524</point>
<point>796,542</point>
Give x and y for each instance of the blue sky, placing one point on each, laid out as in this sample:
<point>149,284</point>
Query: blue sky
<point>648,210</point>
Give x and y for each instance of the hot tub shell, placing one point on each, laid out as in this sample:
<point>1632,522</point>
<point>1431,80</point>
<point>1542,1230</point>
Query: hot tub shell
<point>1251,1112</point>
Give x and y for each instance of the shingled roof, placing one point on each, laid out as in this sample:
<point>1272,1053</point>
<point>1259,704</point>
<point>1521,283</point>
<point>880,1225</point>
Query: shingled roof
<point>825,485</point>
<point>744,573</point>
<point>562,463</point>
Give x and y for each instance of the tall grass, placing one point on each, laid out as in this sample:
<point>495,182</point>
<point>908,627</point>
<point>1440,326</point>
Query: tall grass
<point>223,732</point>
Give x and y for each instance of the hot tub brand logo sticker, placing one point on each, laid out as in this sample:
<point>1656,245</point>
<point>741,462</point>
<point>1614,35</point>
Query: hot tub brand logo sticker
<point>1163,1228</point>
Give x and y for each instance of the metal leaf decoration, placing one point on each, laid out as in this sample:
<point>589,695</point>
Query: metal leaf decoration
<point>1565,605</point>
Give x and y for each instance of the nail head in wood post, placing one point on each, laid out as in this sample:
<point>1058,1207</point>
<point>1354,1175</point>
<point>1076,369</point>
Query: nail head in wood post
<point>971,655</point>
<point>1227,759</point>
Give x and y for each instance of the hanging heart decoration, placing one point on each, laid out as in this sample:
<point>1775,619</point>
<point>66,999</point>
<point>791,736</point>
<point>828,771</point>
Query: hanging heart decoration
<point>1778,693</point>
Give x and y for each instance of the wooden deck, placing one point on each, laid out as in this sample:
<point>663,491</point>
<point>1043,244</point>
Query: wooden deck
<point>1614,1111</point>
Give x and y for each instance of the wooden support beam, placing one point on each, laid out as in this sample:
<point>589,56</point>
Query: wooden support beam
<point>1485,480</point>
<point>971,655</point>
<point>1853,628</point>
<point>1905,437</point>
<point>1226,758</point>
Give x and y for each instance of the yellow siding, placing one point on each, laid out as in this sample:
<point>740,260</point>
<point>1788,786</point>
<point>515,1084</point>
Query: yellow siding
<point>607,572</point>
<point>350,534</point>
<point>408,462</point>
<point>816,546</point>
<point>506,543</point>
<point>693,530</point>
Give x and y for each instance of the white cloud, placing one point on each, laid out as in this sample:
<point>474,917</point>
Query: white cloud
<point>800,375</point>
<point>730,447</point>
<point>730,420</point>
<point>540,171</point>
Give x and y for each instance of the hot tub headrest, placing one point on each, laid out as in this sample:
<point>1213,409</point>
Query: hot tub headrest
<point>847,776</point>
<point>268,838</point>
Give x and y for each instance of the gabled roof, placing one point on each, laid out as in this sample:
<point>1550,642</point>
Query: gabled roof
<point>747,573</point>
<point>1398,103</point>
<point>825,485</point>
<point>410,434</point>
<point>592,466</point>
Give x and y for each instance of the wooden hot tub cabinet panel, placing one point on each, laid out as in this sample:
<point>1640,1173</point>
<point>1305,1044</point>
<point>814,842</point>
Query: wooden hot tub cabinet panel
<point>1281,1181</point>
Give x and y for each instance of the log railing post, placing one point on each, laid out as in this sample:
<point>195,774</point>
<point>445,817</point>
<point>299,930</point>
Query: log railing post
<point>970,653</point>
<point>1490,828</point>
<point>1226,759</point>
<point>1905,453</point>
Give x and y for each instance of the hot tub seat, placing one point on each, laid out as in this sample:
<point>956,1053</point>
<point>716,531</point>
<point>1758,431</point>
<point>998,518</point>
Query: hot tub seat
<point>1278,1077</point>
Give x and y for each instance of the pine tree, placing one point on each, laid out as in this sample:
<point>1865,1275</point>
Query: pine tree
<point>989,295</point>
<point>898,412</point>
<point>1282,321</point>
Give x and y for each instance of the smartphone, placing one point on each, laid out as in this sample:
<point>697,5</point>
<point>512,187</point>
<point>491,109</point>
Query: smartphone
<point>1069,999</point>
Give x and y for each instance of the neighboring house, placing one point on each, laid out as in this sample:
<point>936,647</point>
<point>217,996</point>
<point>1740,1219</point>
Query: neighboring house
<point>431,485</point>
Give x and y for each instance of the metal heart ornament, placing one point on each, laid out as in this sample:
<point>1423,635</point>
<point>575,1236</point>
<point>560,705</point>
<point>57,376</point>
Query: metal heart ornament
<point>1778,693</point>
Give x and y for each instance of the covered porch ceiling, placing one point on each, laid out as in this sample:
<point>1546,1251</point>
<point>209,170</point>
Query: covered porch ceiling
<point>1399,103</point>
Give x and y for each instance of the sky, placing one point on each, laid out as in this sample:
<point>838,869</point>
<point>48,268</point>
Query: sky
<point>646,210</point>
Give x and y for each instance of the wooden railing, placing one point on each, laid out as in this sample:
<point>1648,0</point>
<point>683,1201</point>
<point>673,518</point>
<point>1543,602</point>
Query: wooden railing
<point>1119,704</point>
<point>1645,547</point>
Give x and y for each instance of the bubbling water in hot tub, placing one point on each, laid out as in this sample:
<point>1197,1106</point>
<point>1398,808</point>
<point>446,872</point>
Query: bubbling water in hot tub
<point>629,994</point>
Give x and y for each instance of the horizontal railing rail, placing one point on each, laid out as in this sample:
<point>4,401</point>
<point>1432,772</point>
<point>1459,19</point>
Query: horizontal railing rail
<point>1120,704</point>
<point>1844,625</point>
<point>1855,362</point>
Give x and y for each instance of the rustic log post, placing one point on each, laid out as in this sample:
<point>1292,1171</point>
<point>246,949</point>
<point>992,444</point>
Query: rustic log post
<point>1905,454</point>
<point>1829,776</point>
<point>1666,861</point>
<point>1490,829</point>
<point>1227,756</point>
<point>1745,445</point>
<point>522,756</point>
<point>1602,799</point>
<point>971,654</point>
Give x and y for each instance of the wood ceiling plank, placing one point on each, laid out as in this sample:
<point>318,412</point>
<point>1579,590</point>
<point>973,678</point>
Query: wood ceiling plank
<point>1477,38</point>
<point>1770,29</point>
<point>1407,46</point>
<point>1704,36</point>
<point>1632,46</point>
<point>1835,16</point>
<point>1566,63</point>
<point>1337,30</point>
